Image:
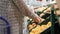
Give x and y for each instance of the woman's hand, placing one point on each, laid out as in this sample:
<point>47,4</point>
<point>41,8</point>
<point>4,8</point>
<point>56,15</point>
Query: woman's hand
<point>37,20</point>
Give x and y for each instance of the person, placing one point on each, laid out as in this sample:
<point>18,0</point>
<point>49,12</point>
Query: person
<point>15,11</point>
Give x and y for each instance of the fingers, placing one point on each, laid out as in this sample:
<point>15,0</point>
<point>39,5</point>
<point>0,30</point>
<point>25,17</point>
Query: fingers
<point>37,20</point>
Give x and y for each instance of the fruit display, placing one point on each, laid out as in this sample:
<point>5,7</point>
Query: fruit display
<point>31,26</point>
<point>40,9</point>
<point>46,24</point>
<point>45,10</point>
<point>38,29</point>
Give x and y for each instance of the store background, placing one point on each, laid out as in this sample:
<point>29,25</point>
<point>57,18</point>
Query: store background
<point>39,3</point>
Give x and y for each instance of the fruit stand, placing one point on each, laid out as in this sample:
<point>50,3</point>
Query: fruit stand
<point>49,22</point>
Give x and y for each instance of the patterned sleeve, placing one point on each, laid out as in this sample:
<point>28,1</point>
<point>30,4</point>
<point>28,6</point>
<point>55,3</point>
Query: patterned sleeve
<point>25,10</point>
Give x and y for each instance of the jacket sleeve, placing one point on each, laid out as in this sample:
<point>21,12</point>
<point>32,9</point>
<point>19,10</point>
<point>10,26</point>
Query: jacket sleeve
<point>25,10</point>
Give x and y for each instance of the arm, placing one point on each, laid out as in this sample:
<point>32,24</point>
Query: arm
<point>25,10</point>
